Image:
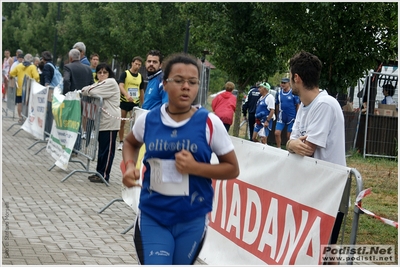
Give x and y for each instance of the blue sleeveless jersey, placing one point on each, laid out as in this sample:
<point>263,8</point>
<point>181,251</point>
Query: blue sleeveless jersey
<point>287,105</point>
<point>262,110</point>
<point>163,144</point>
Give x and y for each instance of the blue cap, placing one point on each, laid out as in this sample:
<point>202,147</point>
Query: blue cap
<point>285,80</point>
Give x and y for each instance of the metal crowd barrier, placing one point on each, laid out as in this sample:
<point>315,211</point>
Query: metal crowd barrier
<point>380,132</point>
<point>11,93</point>
<point>136,112</point>
<point>86,144</point>
<point>26,86</point>
<point>346,203</point>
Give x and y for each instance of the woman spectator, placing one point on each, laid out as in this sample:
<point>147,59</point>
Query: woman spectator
<point>107,88</point>
<point>388,91</point>
<point>224,105</point>
<point>48,67</point>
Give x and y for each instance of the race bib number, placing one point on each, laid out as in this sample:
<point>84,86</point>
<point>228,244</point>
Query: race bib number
<point>133,92</point>
<point>165,178</point>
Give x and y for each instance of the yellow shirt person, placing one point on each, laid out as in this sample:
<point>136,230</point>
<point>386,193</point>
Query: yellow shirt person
<point>22,69</point>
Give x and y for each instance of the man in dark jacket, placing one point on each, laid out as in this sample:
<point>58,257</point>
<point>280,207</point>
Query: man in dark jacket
<point>250,105</point>
<point>76,74</point>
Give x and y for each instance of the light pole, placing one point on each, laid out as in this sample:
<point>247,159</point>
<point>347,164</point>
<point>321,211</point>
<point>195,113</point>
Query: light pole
<point>56,36</point>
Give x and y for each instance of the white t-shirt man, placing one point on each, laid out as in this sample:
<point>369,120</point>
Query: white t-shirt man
<point>323,123</point>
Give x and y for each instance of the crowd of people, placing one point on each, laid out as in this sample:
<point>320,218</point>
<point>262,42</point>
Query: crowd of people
<point>179,137</point>
<point>91,77</point>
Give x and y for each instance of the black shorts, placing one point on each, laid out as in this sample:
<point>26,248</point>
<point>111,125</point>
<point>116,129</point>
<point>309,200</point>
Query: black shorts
<point>128,106</point>
<point>18,99</point>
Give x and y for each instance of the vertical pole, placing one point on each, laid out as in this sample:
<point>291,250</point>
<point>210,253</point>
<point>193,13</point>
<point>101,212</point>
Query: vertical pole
<point>367,113</point>
<point>56,36</point>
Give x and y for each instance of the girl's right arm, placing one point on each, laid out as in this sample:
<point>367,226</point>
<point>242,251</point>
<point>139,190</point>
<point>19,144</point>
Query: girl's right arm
<point>130,153</point>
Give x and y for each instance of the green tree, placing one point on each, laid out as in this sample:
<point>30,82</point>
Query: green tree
<point>249,41</point>
<point>241,46</point>
<point>349,38</point>
<point>123,29</point>
<point>28,26</point>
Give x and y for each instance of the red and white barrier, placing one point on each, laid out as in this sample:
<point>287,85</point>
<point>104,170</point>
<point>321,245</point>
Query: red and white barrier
<point>365,193</point>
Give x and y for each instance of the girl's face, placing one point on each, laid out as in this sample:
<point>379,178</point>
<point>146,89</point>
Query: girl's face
<point>102,74</point>
<point>182,85</point>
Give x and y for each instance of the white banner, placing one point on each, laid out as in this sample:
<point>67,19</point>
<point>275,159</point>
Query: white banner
<point>279,211</point>
<point>37,106</point>
<point>64,132</point>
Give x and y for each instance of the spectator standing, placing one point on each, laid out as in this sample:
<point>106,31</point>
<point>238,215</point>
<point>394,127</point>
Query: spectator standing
<point>318,130</point>
<point>22,69</point>
<point>154,95</point>
<point>14,59</point>
<point>94,61</point>
<point>249,106</point>
<point>82,49</point>
<point>264,113</point>
<point>48,72</point>
<point>76,74</point>
<point>5,71</point>
<point>108,89</point>
<point>224,105</point>
<point>131,93</point>
<point>48,68</point>
<point>36,61</point>
<point>173,214</point>
<point>388,91</point>
<point>20,59</point>
<point>286,108</point>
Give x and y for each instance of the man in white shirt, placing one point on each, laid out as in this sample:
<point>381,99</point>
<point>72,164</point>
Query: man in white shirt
<point>318,130</point>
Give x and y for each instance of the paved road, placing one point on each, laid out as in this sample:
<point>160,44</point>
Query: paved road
<point>46,221</point>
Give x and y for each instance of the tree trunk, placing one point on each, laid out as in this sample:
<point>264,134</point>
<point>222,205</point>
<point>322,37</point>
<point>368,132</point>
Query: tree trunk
<point>238,113</point>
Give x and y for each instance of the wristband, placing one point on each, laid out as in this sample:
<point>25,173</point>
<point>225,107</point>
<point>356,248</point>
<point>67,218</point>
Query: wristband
<point>129,161</point>
<point>287,146</point>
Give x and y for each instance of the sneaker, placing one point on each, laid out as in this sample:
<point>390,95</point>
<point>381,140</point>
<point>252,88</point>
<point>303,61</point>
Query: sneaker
<point>96,180</point>
<point>120,145</point>
<point>84,135</point>
<point>92,176</point>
